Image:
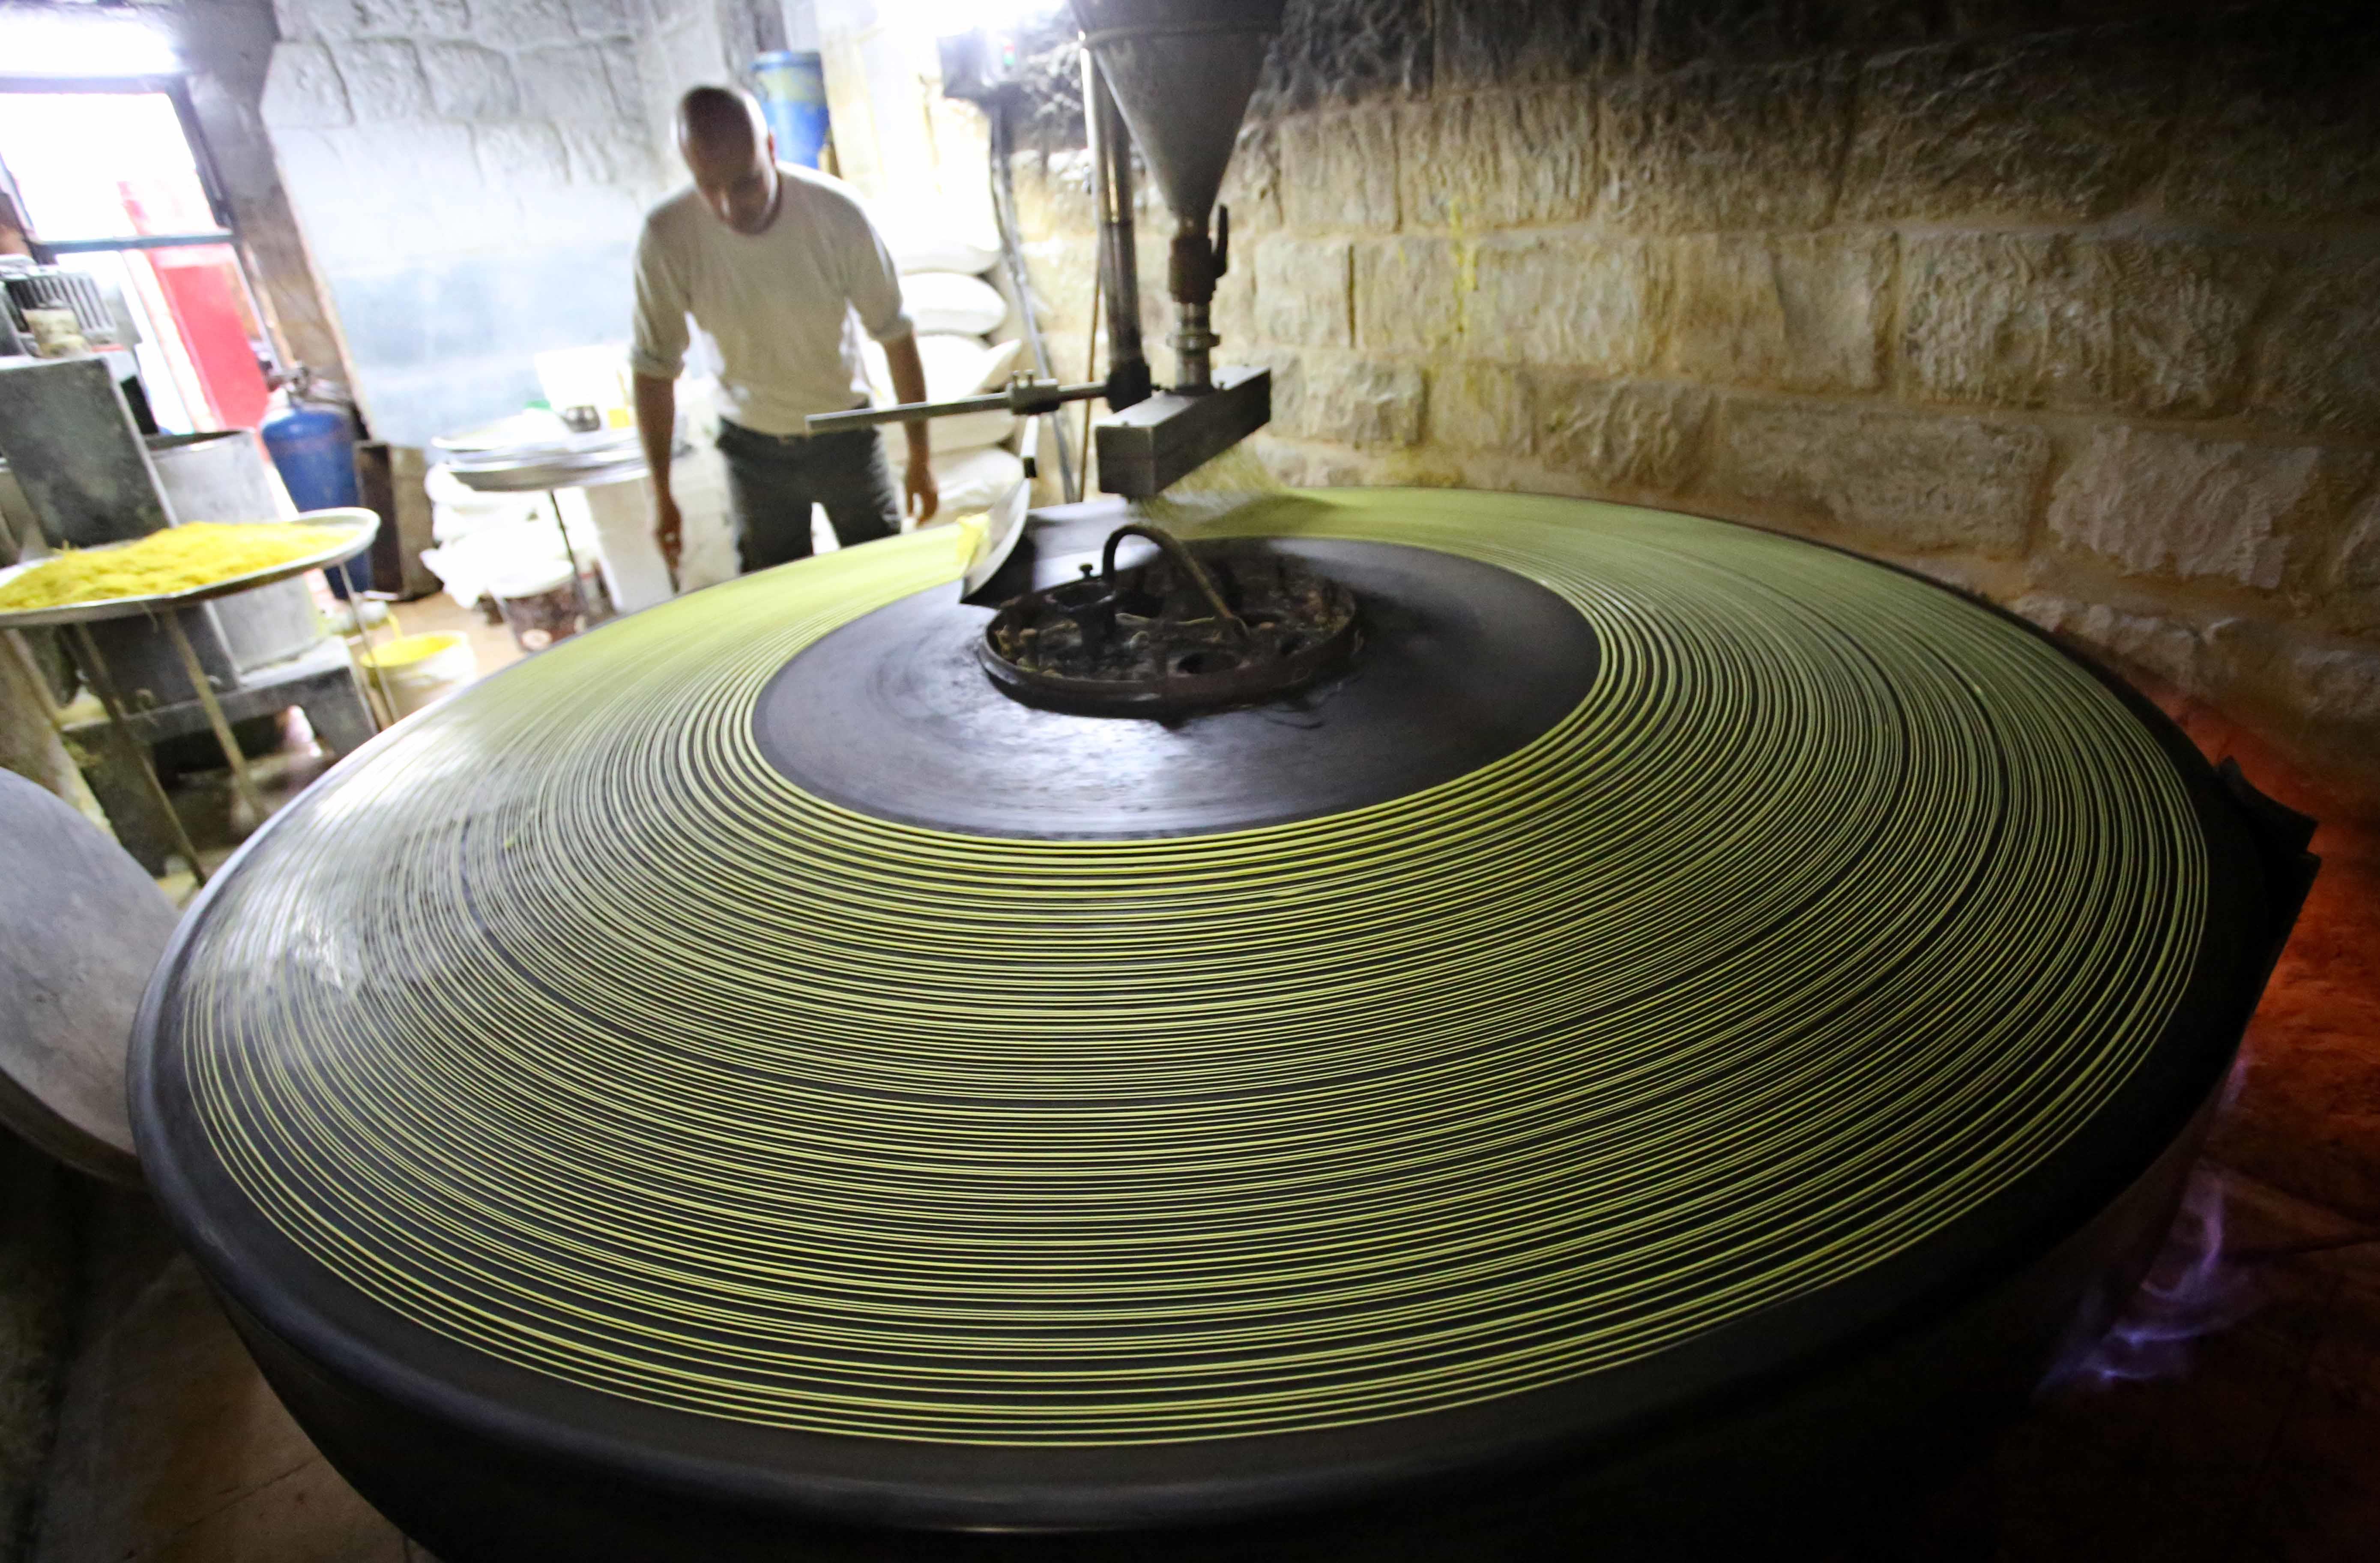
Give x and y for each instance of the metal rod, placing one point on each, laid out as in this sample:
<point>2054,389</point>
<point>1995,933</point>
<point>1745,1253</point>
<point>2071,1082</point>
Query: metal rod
<point>95,674</point>
<point>1091,367</point>
<point>1003,211</point>
<point>1111,192</point>
<point>241,782</point>
<point>918,411</point>
<point>40,681</point>
<point>141,241</point>
<point>363,632</point>
<point>578,587</point>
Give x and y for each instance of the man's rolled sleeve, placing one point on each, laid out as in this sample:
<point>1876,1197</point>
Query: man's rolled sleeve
<point>658,348</point>
<point>873,284</point>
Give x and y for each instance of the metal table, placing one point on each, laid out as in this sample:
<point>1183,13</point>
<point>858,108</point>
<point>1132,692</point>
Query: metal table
<point>345,532</point>
<point>588,460</point>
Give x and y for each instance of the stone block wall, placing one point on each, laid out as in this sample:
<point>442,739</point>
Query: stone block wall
<point>471,175</point>
<point>2075,303</point>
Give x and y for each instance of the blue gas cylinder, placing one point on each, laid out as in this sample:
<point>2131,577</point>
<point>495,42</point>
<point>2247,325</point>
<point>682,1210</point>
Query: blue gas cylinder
<point>791,86</point>
<point>313,448</point>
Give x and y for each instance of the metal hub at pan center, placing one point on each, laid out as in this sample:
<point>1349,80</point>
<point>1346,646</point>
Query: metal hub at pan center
<point>1198,627</point>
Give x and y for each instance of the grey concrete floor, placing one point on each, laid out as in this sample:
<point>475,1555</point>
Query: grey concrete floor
<point>170,1447</point>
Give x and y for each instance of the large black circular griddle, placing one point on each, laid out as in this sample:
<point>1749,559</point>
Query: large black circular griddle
<point>614,1149</point>
<point>1462,663</point>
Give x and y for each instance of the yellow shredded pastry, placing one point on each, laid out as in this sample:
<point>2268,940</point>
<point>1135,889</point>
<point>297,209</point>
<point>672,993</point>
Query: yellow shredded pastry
<point>173,560</point>
<point>407,650</point>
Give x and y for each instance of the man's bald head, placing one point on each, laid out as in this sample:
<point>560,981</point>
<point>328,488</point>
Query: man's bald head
<point>728,149</point>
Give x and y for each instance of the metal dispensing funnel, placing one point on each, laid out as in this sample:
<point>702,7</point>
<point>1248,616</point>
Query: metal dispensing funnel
<point>1181,72</point>
<point>1173,77</point>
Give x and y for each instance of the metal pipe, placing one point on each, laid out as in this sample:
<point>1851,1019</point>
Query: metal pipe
<point>1128,379</point>
<point>363,632</point>
<point>95,674</point>
<point>1193,347</point>
<point>1003,210</point>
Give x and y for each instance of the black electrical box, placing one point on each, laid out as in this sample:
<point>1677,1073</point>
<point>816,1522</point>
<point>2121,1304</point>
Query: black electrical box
<point>980,66</point>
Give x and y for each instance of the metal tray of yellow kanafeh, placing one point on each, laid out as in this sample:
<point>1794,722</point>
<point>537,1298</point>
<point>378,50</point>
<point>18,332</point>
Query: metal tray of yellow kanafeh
<point>345,532</point>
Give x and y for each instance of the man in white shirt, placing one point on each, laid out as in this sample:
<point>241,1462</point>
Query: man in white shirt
<point>780,267</point>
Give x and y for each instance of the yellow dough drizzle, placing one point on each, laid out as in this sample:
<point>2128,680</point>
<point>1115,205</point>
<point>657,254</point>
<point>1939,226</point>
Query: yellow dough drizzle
<point>565,1028</point>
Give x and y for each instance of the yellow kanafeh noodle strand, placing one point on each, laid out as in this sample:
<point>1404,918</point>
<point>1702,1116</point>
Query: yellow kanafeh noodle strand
<point>176,559</point>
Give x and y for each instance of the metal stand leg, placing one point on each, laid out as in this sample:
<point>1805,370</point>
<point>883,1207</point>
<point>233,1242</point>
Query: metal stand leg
<point>578,588</point>
<point>94,671</point>
<point>363,633</point>
<point>241,782</point>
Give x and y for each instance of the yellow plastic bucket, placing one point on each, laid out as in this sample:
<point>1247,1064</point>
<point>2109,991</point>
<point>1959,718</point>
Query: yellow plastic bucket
<point>422,670</point>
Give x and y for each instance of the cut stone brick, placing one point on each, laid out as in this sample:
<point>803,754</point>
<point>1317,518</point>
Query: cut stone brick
<point>2284,123</point>
<point>2184,315</point>
<point>2336,689</point>
<point>583,84</point>
<point>1713,147</point>
<point>1340,170</point>
<point>2159,503</point>
<point>1358,401</point>
<point>1636,436</point>
<point>610,154</point>
<point>1251,183</point>
<point>302,90</point>
<point>2161,647</point>
<point>1907,480</point>
<point>1679,33</point>
<point>469,82</point>
<point>1342,52</point>
<point>1062,271</point>
<point>1496,160</point>
<point>522,157</point>
<point>1491,43</point>
<point>1053,193</point>
<point>2354,576</point>
<point>385,79</point>
<point>1409,294</point>
<point>1234,313</point>
<point>1302,295</point>
<point>2046,320</point>
<point>313,167</point>
<point>2057,125</point>
<point>2019,320</point>
<point>1592,304</point>
<point>409,19</point>
<point>1482,406</point>
<point>605,18</point>
<point>2318,369</point>
<point>314,20</point>
<point>1288,392</point>
<point>1801,311</point>
<point>524,24</point>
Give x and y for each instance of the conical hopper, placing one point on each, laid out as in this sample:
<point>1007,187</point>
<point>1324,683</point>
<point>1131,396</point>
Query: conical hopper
<point>1182,71</point>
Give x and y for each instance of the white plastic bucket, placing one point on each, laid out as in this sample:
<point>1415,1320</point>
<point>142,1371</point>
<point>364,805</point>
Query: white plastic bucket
<point>422,670</point>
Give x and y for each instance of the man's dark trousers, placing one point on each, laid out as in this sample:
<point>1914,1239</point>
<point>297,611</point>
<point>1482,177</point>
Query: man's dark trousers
<point>772,481</point>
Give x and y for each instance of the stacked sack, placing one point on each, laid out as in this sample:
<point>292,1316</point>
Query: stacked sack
<point>961,318</point>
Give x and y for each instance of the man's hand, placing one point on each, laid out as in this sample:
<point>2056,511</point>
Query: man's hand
<point>657,431</point>
<point>925,495</point>
<point>669,530</point>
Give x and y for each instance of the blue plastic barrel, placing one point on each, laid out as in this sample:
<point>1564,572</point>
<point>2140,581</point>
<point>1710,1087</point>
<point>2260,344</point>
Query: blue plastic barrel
<point>791,86</point>
<point>314,450</point>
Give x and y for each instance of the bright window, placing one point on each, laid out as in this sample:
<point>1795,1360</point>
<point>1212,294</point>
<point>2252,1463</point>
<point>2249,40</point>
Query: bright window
<point>102,165</point>
<point>109,185</point>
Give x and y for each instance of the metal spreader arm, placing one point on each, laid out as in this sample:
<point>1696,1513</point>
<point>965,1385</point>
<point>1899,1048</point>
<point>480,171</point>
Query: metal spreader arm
<point>1027,398</point>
